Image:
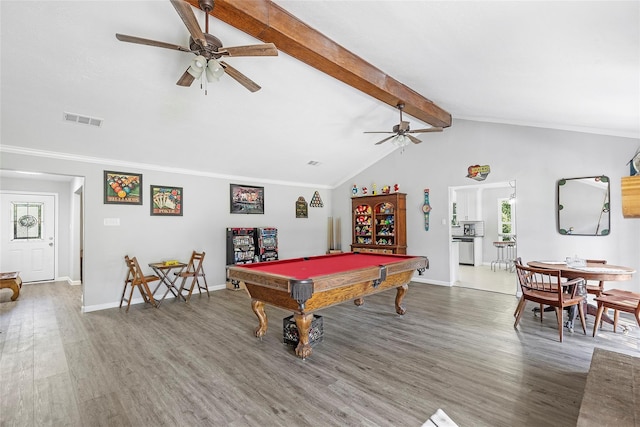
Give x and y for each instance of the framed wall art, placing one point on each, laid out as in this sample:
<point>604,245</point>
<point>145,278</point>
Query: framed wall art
<point>166,201</point>
<point>245,199</point>
<point>122,188</point>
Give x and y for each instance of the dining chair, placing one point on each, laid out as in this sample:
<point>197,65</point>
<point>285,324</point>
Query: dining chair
<point>618,300</point>
<point>518,261</point>
<point>195,272</point>
<point>545,287</point>
<point>593,288</point>
<point>137,279</point>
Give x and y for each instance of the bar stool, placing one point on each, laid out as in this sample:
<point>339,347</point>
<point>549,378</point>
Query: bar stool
<point>500,248</point>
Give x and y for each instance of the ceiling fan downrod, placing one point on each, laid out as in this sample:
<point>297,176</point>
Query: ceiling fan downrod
<point>206,6</point>
<point>400,107</point>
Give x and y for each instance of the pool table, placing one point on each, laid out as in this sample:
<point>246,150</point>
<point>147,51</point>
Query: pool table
<point>305,285</point>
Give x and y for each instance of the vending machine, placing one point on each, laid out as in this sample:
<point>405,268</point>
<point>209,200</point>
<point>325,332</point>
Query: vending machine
<point>267,249</point>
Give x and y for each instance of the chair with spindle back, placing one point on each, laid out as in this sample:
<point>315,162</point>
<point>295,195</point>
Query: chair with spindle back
<point>545,287</point>
<point>617,300</point>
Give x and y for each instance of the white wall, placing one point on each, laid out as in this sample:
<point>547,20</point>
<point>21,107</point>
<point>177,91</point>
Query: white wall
<point>535,158</point>
<point>151,238</point>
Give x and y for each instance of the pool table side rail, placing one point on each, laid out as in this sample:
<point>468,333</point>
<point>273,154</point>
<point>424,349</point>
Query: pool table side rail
<point>319,300</point>
<point>274,281</point>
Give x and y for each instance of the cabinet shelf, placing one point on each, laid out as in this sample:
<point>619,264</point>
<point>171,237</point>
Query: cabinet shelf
<point>385,216</point>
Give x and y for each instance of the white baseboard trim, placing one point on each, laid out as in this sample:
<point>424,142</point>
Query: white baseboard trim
<point>430,281</point>
<point>139,300</point>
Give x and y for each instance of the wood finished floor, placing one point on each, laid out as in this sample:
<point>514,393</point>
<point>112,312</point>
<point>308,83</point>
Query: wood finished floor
<point>199,364</point>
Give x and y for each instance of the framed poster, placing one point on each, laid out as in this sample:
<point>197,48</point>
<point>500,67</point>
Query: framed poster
<point>122,188</point>
<point>166,201</point>
<point>245,199</point>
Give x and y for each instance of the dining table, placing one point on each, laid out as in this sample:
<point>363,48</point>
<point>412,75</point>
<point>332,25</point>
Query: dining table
<point>589,271</point>
<point>163,270</point>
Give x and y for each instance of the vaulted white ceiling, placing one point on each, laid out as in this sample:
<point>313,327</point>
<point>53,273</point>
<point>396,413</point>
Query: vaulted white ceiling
<point>559,64</point>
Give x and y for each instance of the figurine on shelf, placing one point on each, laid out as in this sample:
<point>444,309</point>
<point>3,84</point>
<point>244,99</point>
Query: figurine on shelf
<point>373,192</point>
<point>364,191</point>
<point>354,190</point>
<point>396,188</point>
<point>386,189</point>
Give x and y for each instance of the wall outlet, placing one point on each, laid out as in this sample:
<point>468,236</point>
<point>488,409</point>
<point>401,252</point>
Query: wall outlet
<point>112,221</point>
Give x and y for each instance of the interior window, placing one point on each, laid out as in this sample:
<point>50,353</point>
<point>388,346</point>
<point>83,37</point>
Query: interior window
<point>506,228</point>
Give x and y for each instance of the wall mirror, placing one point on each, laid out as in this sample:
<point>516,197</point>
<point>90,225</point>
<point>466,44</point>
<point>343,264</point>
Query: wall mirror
<point>583,206</point>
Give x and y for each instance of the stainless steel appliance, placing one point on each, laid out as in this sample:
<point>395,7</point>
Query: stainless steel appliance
<point>466,250</point>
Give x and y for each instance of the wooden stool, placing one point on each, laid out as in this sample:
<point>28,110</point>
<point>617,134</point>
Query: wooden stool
<point>11,281</point>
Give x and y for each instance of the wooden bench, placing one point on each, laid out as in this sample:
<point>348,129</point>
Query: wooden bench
<point>612,393</point>
<point>11,281</point>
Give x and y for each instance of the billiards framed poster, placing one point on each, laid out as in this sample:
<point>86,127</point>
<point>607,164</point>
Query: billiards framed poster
<point>122,188</point>
<point>246,199</point>
<point>166,201</point>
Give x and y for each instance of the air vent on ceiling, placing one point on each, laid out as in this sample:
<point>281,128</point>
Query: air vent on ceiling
<point>83,120</point>
<point>313,163</point>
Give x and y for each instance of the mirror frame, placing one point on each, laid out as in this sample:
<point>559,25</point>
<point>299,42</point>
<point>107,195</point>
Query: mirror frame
<point>603,224</point>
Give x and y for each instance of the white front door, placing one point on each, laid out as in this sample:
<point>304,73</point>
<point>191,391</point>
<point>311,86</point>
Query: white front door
<point>27,226</point>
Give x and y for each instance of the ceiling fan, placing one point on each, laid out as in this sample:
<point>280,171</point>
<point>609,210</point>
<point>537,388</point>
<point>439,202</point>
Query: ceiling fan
<point>207,48</point>
<point>402,132</point>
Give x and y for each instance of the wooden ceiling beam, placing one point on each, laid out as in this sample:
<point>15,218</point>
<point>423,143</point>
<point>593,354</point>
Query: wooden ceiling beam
<point>268,22</point>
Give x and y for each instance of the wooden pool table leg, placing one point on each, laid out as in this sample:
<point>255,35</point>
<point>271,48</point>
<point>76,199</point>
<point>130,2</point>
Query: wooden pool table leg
<point>401,291</point>
<point>258,309</point>
<point>303,323</point>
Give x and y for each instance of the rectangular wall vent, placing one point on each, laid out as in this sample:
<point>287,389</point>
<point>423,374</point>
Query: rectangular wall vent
<point>313,163</point>
<point>84,120</point>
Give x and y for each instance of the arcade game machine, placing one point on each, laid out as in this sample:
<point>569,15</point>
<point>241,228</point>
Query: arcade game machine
<point>267,249</point>
<point>241,249</point>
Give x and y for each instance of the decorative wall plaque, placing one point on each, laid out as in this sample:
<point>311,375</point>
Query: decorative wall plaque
<point>302,210</point>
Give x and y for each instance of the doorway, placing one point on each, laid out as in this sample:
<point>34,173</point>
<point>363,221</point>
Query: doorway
<point>483,204</point>
<point>29,235</point>
<point>67,191</point>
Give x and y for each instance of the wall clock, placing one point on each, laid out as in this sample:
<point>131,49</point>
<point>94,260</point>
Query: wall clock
<point>426,208</point>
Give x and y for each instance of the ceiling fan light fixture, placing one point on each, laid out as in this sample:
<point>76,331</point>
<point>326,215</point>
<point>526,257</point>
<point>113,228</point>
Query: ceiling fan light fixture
<point>400,141</point>
<point>214,70</point>
<point>197,66</point>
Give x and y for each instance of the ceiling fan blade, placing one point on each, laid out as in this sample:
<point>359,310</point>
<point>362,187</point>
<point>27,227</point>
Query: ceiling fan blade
<point>186,79</point>
<point>186,14</point>
<point>413,138</point>
<point>385,140</point>
<point>265,49</point>
<point>239,77</point>
<point>381,131</point>
<point>404,126</point>
<point>148,42</point>
<point>433,129</point>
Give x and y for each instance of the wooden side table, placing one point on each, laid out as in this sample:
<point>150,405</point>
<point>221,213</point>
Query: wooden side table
<point>11,281</point>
